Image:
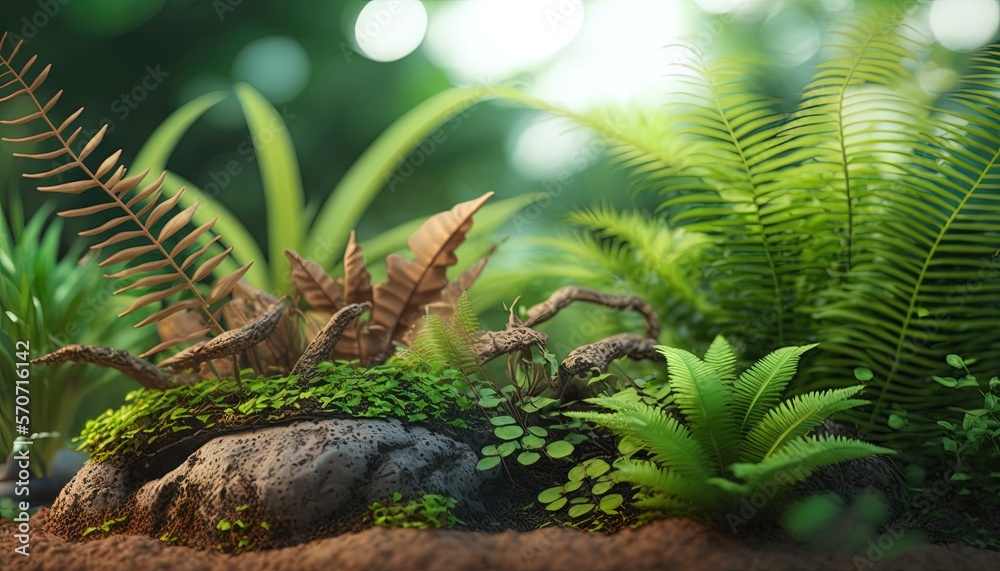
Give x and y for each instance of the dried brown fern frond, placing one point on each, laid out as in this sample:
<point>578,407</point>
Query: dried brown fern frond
<point>411,286</point>
<point>146,227</point>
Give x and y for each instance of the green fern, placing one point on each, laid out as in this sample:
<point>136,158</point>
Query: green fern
<point>867,219</point>
<point>699,458</point>
<point>447,342</point>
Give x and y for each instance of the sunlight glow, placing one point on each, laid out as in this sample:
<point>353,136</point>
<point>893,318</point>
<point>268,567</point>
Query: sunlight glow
<point>963,25</point>
<point>484,41</point>
<point>549,146</point>
<point>388,30</point>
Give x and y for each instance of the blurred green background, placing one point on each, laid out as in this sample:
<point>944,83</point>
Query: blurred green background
<point>131,63</point>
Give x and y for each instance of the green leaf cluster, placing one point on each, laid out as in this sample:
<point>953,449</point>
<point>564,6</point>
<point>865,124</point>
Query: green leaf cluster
<point>430,511</point>
<point>50,301</point>
<point>385,391</point>
<point>727,435</point>
<point>865,217</point>
<point>586,491</point>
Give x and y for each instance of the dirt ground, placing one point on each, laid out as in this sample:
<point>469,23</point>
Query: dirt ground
<point>669,544</point>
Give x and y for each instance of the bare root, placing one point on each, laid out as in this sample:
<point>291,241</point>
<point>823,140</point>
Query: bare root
<point>567,295</point>
<point>320,347</point>
<point>231,342</point>
<point>144,372</point>
<point>596,357</point>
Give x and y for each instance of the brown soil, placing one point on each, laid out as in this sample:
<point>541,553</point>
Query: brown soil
<point>668,544</point>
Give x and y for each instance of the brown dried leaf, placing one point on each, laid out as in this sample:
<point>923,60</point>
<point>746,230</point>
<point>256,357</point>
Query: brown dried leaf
<point>190,259</point>
<point>192,237</point>
<point>86,211</point>
<point>128,254</point>
<point>177,222</point>
<point>148,281</point>
<point>153,297</point>
<point>145,267</point>
<point>52,172</point>
<point>318,288</point>
<point>108,164</point>
<point>70,187</point>
<point>227,283</point>
<point>168,311</point>
<point>357,281</point>
<point>209,266</point>
<point>93,143</point>
<point>413,284</point>
<point>163,208</point>
<point>120,237</point>
<point>131,182</point>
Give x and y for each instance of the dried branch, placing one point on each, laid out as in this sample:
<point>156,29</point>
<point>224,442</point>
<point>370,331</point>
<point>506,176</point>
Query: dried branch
<point>320,347</point>
<point>229,343</point>
<point>491,344</point>
<point>596,357</point>
<point>567,295</point>
<point>142,371</point>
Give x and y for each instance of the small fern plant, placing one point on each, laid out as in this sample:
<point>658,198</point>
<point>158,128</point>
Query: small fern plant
<point>725,437</point>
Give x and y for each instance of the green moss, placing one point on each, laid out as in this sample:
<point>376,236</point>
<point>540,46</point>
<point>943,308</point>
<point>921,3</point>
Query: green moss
<point>431,510</point>
<point>150,418</point>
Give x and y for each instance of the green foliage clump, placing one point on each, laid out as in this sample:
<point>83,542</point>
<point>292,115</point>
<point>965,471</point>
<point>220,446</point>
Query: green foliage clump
<point>104,527</point>
<point>378,392</point>
<point>585,492</point>
<point>235,534</point>
<point>49,301</point>
<point>966,439</point>
<point>865,217</point>
<point>430,511</point>
<point>725,436</point>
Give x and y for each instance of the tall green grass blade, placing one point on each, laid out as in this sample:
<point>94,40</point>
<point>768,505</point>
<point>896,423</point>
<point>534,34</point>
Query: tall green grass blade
<point>368,175</point>
<point>279,171</point>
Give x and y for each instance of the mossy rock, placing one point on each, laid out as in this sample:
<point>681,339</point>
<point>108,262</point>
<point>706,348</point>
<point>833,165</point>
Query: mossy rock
<point>176,421</point>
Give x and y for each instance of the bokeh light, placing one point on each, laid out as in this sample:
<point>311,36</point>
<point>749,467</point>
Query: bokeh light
<point>963,25</point>
<point>276,66</point>
<point>791,37</point>
<point>546,147</point>
<point>484,41</point>
<point>388,30</point>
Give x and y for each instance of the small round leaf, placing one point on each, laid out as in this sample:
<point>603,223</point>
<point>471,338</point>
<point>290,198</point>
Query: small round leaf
<point>559,449</point>
<point>549,495</point>
<point>487,463</point>
<point>528,458</point>
<point>580,509</point>
<point>508,432</point>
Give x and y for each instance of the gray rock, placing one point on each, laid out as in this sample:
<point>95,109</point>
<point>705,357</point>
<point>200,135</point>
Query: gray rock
<point>306,473</point>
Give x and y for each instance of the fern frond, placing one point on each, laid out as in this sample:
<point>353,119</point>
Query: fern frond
<point>760,387</point>
<point>722,359</point>
<point>668,441</point>
<point>928,281</point>
<point>656,480</point>
<point>142,211</point>
<point>798,458</point>
<point>703,399</point>
<point>795,418</point>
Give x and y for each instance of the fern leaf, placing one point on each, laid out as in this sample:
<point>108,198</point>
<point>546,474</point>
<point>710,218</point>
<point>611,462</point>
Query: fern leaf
<point>668,441</point>
<point>655,480</point>
<point>412,284</point>
<point>703,399</point>
<point>795,418</point>
<point>798,458</point>
<point>720,356</point>
<point>760,387</point>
